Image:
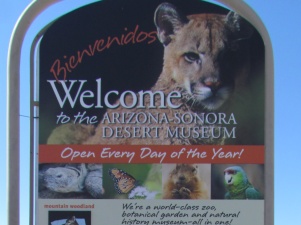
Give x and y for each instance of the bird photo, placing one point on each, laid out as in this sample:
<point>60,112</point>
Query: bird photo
<point>243,181</point>
<point>238,185</point>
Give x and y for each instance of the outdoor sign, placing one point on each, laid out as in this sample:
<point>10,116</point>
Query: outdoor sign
<point>151,112</point>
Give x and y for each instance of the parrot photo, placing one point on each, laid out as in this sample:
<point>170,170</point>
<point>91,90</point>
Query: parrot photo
<point>238,185</point>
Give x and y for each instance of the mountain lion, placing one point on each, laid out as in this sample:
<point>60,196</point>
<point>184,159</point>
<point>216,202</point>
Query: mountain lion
<point>197,57</point>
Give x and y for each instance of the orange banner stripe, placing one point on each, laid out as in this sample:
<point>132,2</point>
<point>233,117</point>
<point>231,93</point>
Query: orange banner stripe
<point>253,154</point>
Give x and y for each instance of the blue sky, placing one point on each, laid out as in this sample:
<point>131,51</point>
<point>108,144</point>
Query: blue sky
<point>283,22</point>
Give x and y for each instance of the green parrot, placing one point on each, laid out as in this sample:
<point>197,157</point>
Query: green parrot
<point>238,185</point>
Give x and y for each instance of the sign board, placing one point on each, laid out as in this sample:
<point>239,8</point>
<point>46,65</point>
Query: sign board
<point>151,113</point>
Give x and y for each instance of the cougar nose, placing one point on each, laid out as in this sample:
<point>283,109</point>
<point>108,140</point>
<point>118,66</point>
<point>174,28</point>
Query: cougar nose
<point>212,84</point>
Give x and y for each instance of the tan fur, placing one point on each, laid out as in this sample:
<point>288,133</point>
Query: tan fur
<point>184,183</point>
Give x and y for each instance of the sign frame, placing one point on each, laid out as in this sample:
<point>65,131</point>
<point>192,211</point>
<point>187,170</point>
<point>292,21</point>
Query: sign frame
<point>13,109</point>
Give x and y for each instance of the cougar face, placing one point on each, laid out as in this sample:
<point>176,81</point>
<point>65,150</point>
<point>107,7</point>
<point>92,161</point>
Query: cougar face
<point>199,53</point>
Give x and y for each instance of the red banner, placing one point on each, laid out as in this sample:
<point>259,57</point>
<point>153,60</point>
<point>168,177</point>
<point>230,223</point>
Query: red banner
<point>245,154</point>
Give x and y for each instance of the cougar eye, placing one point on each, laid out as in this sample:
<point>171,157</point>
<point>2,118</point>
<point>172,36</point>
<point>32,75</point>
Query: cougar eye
<point>192,57</point>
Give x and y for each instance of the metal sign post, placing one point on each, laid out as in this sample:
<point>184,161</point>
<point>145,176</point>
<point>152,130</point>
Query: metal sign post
<point>13,106</point>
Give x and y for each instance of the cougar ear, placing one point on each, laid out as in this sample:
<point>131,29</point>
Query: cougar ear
<point>239,25</point>
<point>167,20</point>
